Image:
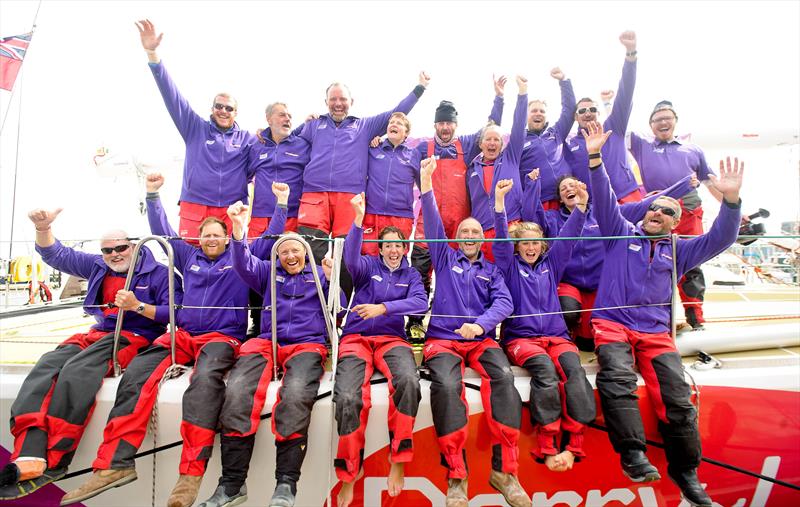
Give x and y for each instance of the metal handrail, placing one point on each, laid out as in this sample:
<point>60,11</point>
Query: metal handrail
<point>171,281</point>
<point>273,296</point>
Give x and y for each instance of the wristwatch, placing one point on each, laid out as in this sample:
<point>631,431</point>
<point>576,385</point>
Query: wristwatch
<point>140,308</point>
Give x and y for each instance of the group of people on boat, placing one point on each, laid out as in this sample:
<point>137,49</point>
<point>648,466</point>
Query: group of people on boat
<point>339,175</point>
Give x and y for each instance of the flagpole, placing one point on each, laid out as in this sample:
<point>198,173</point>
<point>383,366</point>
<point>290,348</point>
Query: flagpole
<point>18,86</point>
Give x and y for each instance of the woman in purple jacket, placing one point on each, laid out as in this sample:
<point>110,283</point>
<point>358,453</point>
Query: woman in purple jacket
<point>386,289</point>
<point>536,338</point>
<point>392,170</point>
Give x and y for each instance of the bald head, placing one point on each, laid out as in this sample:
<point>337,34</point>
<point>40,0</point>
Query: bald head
<point>470,228</point>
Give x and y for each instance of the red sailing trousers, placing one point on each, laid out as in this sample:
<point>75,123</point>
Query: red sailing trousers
<point>502,405</point>
<point>213,355</point>
<point>561,399</point>
<point>359,356</point>
<point>57,398</point>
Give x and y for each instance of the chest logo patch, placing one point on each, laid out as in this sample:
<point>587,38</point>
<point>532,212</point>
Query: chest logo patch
<point>634,247</point>
<point>457,269</point>
<point>194,267</point>
<point>210,142</point>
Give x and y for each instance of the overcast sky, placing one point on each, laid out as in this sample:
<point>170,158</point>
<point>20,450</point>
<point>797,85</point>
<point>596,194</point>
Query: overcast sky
<point>730,68</point>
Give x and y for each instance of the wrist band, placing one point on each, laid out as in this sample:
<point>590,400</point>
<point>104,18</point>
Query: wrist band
<point>631,53</point>
<point>594,156</point>
<point>41,230</point>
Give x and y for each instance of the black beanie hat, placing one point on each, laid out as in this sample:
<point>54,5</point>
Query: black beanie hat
<point>446,112</point>
<point>661,106</point>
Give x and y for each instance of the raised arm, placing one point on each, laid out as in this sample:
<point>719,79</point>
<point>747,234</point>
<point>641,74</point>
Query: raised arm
<point>157,218</point>
<point>604,202</point>
<point>184,117</point>
<point>503,250</point>
<point>432,221</point>
<point>469,142</point>
<point>567,118</point>
<point>262,247</point>
<point>53,252</point>
<point>623,105</point>
<point>376,125</point>
<point>517,139</point>
<point>252,270</point>
<point>724,230</point>
<point>356,264</point>
<point>561,250</point>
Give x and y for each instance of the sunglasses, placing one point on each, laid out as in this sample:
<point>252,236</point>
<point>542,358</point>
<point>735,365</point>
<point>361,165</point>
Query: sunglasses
<point>666,210</point>
<point>119,249</point>
<point>583,110</point>
<point>662,119</point>
<point>220,107</point>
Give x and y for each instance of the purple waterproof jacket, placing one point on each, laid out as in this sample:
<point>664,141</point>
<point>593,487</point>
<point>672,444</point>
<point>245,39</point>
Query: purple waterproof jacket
<point>506,166</point>
<point>638,271</point>
<point>400,291</point>
<point>583,270</point>
<point>300,315</point>
<point>534,289</point>
<point>615,153</point>
<point>474,292</point>
<point>339,152</point>
<point>283,162</point>
<point>392,172</point>
<point>545,150</point>
<point>215,169</point>
<point>149,284</point>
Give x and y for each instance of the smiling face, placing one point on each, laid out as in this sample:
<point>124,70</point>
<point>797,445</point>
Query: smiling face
<point>568,192</point>
<point>537,115</point>
<point>119,262</point>
<point>223,111</point>
<point>279,120</point>
<point>445,130</point>
<point>530,251</point>
<point>213,239</point>
<point>398,128</point>
<point>585,113</point>
<point>338,101</point>
<point>663,124</point>
<point>491,143</point>
<point>292,256</point>
<point>470,229</point>
<point>392,252</point>
<point>658,222</point>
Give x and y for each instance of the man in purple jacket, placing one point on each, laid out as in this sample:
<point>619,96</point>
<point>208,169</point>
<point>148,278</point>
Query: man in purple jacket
<point>453,153</point>
<point>663,160</point>
<point>282,156</point>
<point>392,171</point>
<point>472,290</point>
<point>211,323</point>
<point>215,170</point>
<point>301,356</point>
<point>615,152</point>
<point>636,286</point>
<point>387,289</point>
<point>544,143</point>
<point>338,167</point>
<point>57,397</point>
